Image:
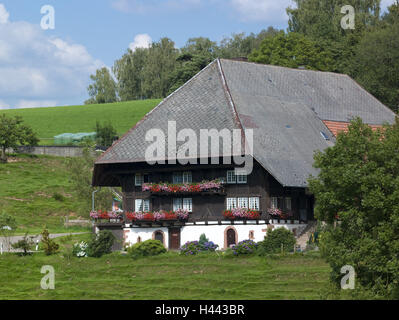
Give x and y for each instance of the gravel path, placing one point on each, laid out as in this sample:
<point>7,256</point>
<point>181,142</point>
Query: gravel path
<point>7,247</point>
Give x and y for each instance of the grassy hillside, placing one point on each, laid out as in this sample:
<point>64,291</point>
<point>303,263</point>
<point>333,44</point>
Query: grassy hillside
<point>168,276</point>
<point>37,191</point>
<point>49,122</point>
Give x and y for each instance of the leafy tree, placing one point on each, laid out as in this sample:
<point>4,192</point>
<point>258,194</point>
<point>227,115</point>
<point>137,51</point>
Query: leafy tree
<point>81,174</point>
<point>392,16</point>
<point>103,90</point>
<point>160,63</point>
<point>277,240</point>
<point>129,72</point>
<point>376,64</point>
<point>13,132</point>
<point>25,244</point>
<point>292,50</point>
<point>105,134</point>
<point>357,190</point>
<point>50,247</point>
<point>100,244</point>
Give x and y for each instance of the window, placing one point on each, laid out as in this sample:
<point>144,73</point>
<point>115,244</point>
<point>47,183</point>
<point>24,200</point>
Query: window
<point>231,177</point>
<point>287,203</point>
<point>187,177</point>
<point>254,203</point>
<point>177,204</point>
<point>140,179</point>
<point>231,203</point>
<point>242,178</point>
<point>142,205</point>
<point>274,202</point>
<point>242,202</point>
<point>188,204</point>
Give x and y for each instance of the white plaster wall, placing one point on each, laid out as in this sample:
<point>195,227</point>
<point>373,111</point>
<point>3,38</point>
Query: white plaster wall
<point>145,234</point>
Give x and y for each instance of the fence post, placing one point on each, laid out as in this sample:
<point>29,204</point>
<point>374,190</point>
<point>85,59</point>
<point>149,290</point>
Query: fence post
<point>1,248</point>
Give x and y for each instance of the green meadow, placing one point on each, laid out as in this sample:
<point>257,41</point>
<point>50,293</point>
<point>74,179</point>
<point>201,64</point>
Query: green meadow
<point>168,276</point>
<point>49,122</point>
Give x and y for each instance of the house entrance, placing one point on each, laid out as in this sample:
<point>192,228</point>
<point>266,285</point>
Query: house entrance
<point>174,238</point>
<point>231,237</point>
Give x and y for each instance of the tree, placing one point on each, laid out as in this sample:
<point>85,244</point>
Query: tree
<point>50,247</point>
<point>129,72</point>
<point>103,90</point>
<point>13,133</point>
<point>357,190</point>
<point>25,244</point>
<point>160,63</point>
<point>105,134</point>
<point>292,50</point>
<point>376,64</point>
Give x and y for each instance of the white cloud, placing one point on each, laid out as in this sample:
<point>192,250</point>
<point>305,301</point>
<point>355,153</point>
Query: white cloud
<point>141,41</point>
<point>151,6</point>
<point>385,4</point>
<point>40,70</point>
<point>3,14</point>
<point>261,10</point>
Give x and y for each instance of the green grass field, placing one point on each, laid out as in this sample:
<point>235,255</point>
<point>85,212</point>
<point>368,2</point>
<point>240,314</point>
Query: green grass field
<point>165,277</point>
<point>49,122</point>
<point>27,189</point>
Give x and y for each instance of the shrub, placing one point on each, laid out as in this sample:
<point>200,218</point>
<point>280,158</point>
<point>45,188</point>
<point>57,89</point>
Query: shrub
<point>275,240</point>
<point>25,244</point>
<point>80,249</point>
<point>58,197</point>
<point>100,244</point>
<point>194,247</point>
<point>245,247</point>
<point>146,249</point>
<point>49,246</point>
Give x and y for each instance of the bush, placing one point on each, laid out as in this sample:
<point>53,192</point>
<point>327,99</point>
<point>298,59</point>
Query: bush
<point>49,246</point>
<point>191,248</point>
<point>100,244</point>
<point>25,244</point>
<point>245,247</point>
<point>146,249</point>
<point>275,240</point>
<point>80,249</point>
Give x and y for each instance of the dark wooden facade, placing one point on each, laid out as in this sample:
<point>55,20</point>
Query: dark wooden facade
<point>209,206</point>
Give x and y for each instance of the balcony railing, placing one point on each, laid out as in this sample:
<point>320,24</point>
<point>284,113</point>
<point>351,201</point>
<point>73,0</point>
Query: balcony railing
<point>205,187</point>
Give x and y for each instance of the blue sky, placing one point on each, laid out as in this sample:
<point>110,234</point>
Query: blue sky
<point>41,68</point>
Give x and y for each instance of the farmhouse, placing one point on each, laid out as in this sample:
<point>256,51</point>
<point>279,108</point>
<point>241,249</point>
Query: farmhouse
<point>291,113</point>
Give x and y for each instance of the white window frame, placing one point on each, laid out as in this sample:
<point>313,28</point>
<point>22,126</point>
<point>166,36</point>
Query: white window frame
<point>274,202</point>
<point>177,203</point>
<point>231,177</point>
<point>177,177</point>
<point>187,177</point>
<point>231,203</point>
<point>242,178</point>
<point>254,203</point>
<point>138,179</point>
<point>188,204</point>
<point>142,205</point>
<point>242,203</point>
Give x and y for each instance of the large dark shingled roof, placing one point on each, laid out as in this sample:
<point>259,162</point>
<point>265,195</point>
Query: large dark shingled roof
<point>285,108</point>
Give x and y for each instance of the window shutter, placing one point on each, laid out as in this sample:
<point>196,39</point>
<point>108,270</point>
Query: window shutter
<point>254,203</point>
<point>231,177</point>
<point>188,204</point>
<point>242,202</point>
